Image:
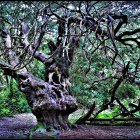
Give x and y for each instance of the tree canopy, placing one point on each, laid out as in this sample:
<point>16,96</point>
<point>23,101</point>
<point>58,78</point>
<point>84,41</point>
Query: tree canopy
<point>56,50</point>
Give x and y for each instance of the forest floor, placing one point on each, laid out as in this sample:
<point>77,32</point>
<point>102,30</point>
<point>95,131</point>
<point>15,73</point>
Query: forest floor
<point>19,126</point>
<point>103,132</point>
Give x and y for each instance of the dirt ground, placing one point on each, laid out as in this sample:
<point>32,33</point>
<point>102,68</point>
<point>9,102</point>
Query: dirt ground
<point>19,126</point>
<point>103,132</point>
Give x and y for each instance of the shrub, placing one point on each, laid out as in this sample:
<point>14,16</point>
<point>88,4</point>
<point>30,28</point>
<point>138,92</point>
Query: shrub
<point>15,104</point>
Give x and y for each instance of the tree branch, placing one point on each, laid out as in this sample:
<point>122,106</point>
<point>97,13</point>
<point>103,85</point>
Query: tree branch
<point>127,33</point>
<point>86,116</point>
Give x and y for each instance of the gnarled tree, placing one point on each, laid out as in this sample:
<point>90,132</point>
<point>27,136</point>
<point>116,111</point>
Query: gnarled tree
<point>22,36</point>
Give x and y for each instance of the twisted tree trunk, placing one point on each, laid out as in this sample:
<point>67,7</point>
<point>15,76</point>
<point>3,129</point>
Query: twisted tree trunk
<point>50,100</point>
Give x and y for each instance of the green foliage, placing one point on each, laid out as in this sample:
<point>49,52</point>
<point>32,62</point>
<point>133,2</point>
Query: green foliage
<point>105,114</point>
<point>39,126</point>
<point>100,92</point>
<point>109,113</point>
<point>127,90</point>
<point>82,87</point>
<point>41,129</point>
<point>75,116</point>
<point>37,69</point>
<point>15,104</point>
<point>137,113</point>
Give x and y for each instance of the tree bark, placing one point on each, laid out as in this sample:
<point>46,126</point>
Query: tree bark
<point>50,103</point>
<point>50,100</point>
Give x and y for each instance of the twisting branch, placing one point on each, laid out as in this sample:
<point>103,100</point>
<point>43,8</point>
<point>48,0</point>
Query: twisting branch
<point>125,111</point>
<point>42,32</point>
<point>33,52</point>
<point>114,89</point>
<point>111,35</point>
<point>128,33</point>
<point>7,45</point>
<point>86,116</point>
<point>124,40</point>
<point>136,68</point>
<point>137,107</point>
<point>12,58</point>
<point>123,20</point>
